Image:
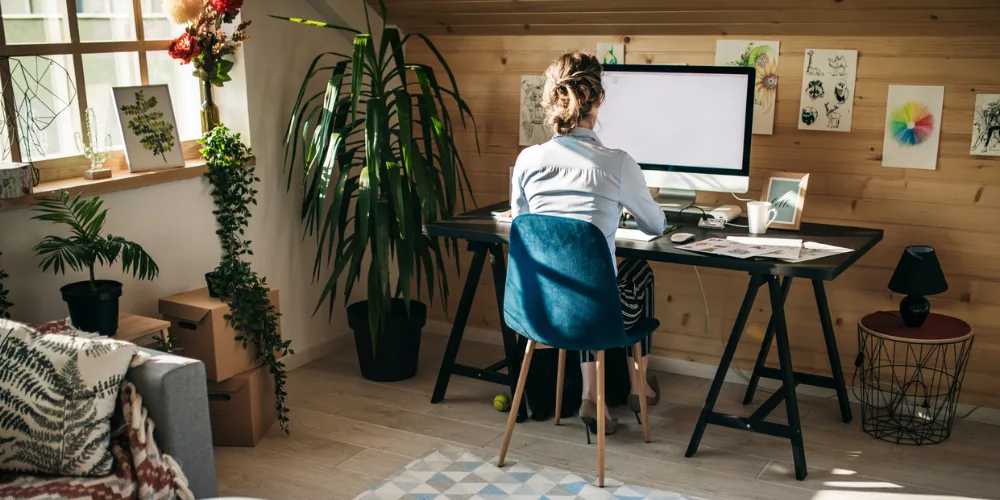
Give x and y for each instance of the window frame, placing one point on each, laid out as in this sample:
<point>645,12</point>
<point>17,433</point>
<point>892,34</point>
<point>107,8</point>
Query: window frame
<point>66,167</point>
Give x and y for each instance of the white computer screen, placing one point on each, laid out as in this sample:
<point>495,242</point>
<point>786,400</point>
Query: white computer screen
<point>675,119</point>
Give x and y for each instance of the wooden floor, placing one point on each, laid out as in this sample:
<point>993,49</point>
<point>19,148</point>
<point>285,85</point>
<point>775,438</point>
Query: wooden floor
<point>348,433</point>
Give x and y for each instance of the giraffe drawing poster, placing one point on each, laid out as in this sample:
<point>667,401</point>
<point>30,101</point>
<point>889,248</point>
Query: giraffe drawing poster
<point>763,56</point>
<point>532,129</point>
<point>912,126</point>
<point>611,53</point>
<point>827,101</point>
<point>986,126</point>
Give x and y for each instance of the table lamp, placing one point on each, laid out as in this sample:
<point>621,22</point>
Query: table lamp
<point>918,274</point>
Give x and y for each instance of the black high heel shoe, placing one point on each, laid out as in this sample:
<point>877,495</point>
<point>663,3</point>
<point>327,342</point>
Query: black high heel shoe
<point>588,414</point>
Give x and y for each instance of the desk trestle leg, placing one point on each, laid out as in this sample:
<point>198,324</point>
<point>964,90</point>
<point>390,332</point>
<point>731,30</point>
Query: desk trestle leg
<point>727,358</point>
<point>755,422</point>
<point>787,377</point>
<point>512,358</point>
<point>831,350</point>
<point>510,348</point>
<point>448,365</point>
<point>765,347</point>
<point>835,382</point>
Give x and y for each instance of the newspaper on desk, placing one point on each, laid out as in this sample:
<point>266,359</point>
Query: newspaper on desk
<point>792,250</point>
<point>728,248</point>
<point>787,250</point>
<point>812,250</point>
<point>783,248</point>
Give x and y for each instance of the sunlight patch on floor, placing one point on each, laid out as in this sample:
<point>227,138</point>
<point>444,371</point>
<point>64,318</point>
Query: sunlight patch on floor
<point>872,495</point>
<point>860,484</point>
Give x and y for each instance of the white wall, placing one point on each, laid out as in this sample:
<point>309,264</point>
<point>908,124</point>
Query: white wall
<point>174,221</point>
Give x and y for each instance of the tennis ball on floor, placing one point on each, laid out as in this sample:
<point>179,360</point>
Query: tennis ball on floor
<point>501,402</point>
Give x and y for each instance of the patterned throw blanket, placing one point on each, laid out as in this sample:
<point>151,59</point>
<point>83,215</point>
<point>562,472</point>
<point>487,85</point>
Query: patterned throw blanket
<point>139,472</point>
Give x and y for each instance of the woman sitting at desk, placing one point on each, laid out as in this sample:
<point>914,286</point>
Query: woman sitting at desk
<point>574,175</point>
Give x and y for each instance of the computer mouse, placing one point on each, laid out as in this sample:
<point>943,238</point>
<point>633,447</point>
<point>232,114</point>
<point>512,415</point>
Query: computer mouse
<point>681,237</point>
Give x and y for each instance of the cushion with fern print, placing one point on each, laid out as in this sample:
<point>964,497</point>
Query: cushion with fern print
<point>57,397</point>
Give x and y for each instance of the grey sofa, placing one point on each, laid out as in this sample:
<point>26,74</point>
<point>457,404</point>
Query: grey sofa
<point>174,393</point>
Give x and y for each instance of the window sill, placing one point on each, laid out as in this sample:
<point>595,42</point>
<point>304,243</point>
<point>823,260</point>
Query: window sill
<point>120,181</point>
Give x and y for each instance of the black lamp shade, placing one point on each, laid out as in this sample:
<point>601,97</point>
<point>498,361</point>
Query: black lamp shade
<point>918,273</point>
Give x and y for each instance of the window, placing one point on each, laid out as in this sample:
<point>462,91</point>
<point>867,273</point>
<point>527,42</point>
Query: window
<point>62,56</point>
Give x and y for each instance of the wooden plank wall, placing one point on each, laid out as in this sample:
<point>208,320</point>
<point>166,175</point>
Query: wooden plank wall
<point>697,17</point>
<point>955,208</point>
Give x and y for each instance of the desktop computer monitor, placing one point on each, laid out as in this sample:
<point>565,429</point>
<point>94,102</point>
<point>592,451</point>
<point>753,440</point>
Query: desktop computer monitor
<point>688,127</point>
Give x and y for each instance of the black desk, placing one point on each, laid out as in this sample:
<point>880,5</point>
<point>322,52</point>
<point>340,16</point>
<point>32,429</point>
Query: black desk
<point>486,235</point>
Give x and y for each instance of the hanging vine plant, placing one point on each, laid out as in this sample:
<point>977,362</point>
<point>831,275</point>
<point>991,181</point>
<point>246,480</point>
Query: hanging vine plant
<point>251,312</point>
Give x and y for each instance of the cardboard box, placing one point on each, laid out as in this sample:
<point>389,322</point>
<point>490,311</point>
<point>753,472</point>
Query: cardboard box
<point>198,324</point>
<point>242,408</point>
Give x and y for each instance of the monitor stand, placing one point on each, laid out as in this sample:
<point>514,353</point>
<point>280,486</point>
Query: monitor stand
<point>675,200</point>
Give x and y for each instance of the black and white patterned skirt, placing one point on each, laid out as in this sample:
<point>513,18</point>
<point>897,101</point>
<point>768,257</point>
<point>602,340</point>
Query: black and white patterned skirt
<point>635,288</point>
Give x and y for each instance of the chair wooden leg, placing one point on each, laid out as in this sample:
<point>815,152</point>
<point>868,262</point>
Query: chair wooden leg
<point>640,375</point>
<point>600,419</point>
<point>518,395</point>
<point>560,380</point>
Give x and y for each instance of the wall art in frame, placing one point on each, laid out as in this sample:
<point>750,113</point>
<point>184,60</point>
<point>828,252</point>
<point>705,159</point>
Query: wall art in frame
<point>611,53</point>
<point>532,129</point>
<point>986,126</point>
<point>827,100</point>
<point>148,127</point>
<point>912,126</point>
<point>787,192</point>
<point>763,57</point>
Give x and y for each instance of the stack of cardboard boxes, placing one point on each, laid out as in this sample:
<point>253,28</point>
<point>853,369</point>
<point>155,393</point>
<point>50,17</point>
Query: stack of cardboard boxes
<point>240,390</point>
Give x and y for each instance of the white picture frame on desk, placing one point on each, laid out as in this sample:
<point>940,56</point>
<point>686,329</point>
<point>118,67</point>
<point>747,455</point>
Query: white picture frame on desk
<point>787,193</point>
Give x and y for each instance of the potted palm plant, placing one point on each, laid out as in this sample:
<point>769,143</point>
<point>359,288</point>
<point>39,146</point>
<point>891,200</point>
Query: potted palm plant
<point>93,304</point>
<point>378,161</point>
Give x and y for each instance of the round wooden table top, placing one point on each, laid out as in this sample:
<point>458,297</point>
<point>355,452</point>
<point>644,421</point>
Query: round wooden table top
<point>938,329</point>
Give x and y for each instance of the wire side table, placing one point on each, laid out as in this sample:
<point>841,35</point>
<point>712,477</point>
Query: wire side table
<point>911,377</point>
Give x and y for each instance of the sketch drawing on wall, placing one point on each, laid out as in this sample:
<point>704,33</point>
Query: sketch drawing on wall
<point>810,69</point>
<point>611,53</point>
<point>986,126</point>
<point>763,57</point>
<point>839,81</point>
<point>841,92</point>
<point>532,128</point>
<point>838,65</point>
<point>832,116</point>
<point>809,115</point>
<point>815,89</point>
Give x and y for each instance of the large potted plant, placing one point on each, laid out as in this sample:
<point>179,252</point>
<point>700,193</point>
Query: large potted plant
<point>253,316</point>
<point>378,161</point>
<point>93,304</point>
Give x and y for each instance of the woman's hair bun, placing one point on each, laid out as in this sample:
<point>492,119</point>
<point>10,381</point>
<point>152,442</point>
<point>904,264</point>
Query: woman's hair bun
<point>572,89</point>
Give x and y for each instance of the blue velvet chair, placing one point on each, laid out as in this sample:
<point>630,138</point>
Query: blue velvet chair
<point>562,292</point>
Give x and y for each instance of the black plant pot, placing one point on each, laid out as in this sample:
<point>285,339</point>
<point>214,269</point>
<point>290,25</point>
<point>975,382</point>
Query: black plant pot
<point>398,344</point>
<point>93,308</point>
<point>210,281</point>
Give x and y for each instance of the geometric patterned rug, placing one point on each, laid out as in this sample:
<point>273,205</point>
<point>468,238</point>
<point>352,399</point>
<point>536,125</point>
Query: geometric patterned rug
<point>455,474</point>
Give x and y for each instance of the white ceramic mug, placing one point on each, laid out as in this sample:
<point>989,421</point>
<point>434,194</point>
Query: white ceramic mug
<point>761,214</point>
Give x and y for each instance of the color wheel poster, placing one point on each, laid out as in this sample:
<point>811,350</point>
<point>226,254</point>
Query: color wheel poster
<point>912,126</point>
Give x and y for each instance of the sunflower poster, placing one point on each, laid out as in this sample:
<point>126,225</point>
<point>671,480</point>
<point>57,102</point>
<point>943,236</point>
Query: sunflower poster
<point>763,56</point>
<point>827,101</point>
<point>912,126</point>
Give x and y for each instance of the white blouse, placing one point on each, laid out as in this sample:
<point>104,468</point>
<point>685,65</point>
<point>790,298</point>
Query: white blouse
<point>576,176</point>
